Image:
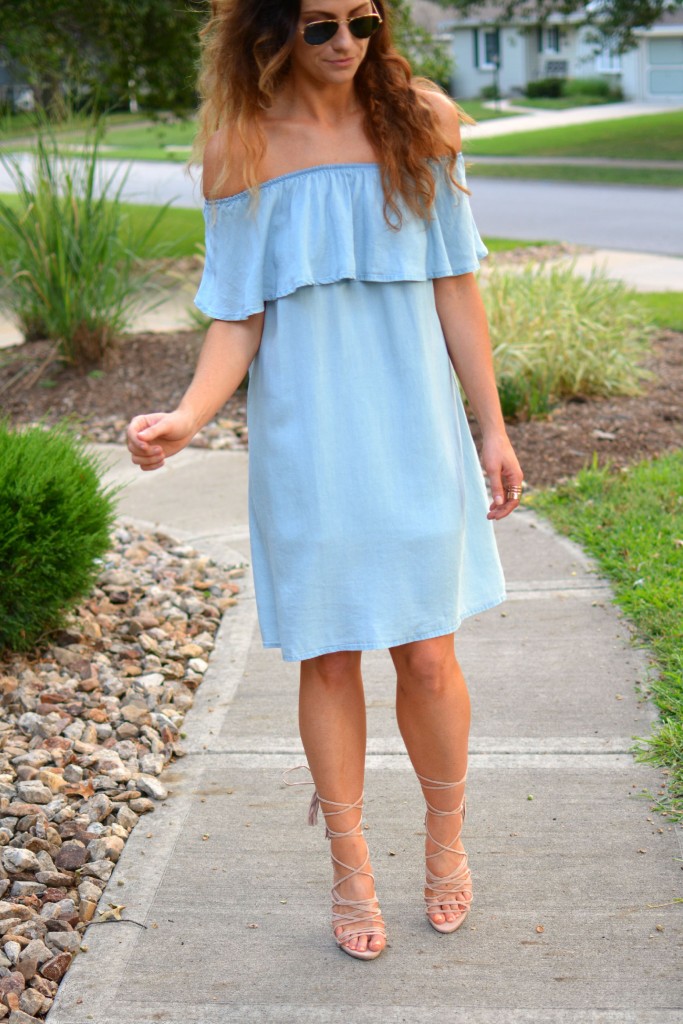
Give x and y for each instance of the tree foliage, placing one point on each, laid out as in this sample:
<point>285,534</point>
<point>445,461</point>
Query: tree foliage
<point>110,51</point>
<point>75,52</point>
<point>428,56</point>
<point>613,20</point>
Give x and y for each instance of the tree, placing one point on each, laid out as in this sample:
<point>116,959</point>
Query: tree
<point>109,50</point>
<point>427,55</point>
<point>613,20</point>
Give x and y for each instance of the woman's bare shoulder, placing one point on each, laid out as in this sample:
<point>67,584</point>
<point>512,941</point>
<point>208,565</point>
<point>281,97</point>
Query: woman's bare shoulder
<point>444,109</point>
<point>224,150</point>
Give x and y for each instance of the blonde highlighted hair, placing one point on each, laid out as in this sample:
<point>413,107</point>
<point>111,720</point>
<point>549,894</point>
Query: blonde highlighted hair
<point>246,48</point>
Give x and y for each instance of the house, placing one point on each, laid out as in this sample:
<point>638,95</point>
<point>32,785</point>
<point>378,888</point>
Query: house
<point>15,92</point>
<point>524,52</point>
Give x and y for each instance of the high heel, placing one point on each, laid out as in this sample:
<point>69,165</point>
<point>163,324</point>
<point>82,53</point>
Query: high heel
<point>444,888</point>
<point>362,917</point>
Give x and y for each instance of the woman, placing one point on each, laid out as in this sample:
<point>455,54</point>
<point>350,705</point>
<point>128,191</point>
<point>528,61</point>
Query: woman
<point>344,285</point>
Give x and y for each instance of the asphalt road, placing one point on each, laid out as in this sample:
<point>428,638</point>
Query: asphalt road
<point>632,217</point>
<point>640,219</point>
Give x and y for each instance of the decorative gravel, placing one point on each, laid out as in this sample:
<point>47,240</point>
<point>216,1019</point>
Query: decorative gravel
<point>88,724</point>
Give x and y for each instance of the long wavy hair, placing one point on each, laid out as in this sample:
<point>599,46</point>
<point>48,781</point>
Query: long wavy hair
<point>246,48</point>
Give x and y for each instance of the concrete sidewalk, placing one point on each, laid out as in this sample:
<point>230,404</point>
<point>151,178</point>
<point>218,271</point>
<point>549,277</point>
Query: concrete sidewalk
<point>534,119</point>
<point>559,827</point>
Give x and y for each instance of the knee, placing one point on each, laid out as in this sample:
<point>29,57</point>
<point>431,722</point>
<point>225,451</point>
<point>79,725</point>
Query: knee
<point>427,668</point>
<point>336,669</point>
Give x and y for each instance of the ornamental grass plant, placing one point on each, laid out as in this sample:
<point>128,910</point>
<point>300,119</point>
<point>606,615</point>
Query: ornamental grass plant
<point>56,519</point>
<point>557,335</point>
<point>71,261</point>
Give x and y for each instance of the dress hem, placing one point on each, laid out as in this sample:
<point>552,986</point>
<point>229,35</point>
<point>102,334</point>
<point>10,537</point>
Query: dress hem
<point>459,270</point>
<point>372,645</point>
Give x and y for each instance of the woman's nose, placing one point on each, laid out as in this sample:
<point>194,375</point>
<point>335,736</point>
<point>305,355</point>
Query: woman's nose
<point>342,38</point>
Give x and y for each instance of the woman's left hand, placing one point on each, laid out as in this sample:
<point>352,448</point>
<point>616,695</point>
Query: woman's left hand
<point>504,471</point>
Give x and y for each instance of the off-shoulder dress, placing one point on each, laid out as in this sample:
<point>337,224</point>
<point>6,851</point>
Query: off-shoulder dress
<point>367,502</point>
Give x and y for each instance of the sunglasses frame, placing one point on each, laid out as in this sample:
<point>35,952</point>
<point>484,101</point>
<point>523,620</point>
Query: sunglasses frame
<point>346,21</point>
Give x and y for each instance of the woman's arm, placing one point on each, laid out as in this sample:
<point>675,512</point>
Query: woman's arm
<point>226,355</point>
<point>465,328</point>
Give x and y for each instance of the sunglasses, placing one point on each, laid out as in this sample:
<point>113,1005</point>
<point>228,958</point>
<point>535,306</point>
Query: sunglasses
<point>319,32</point>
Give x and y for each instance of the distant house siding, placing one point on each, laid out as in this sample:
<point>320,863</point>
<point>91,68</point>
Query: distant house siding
<point>472,72</point>
<point>652,72</point>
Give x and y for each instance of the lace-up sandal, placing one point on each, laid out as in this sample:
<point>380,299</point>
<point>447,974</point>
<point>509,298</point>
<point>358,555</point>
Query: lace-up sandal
<point>359,917</point>
<point>445,888</point>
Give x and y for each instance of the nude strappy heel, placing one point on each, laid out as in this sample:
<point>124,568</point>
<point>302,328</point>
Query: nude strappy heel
<point>446,887</point>
<point>362,917</point>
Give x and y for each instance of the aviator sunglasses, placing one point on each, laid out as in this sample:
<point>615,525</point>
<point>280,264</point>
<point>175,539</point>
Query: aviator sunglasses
<point>319,32</point>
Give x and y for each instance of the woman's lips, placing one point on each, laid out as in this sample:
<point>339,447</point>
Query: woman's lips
<point>341,63</point>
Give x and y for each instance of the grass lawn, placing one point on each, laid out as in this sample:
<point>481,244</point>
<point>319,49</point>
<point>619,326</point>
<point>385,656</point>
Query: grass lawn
<point>651,137</point>
<point>549,172</point>
<point>561,102</point>
<point>665,309</point>
<point>181,231</point>
<point>476,109</point>
<point>632,524</point>
<point>129,137</point>
<point>24,125</point>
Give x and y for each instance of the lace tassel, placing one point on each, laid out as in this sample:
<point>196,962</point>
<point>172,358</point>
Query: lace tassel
<point>313,809</point>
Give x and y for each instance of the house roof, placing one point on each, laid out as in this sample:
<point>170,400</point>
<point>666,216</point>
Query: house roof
<point>670,18</point>
<point>430,15</point>
<point>488,13</point>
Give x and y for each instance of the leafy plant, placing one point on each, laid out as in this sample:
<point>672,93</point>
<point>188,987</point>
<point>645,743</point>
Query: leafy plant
<point>556,335</point>
<point>595,87</point>
<point>546,87</point>
<point>56,518</point>
<point>70,258</point>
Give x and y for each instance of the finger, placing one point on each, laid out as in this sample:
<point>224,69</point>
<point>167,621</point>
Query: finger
<point>153,430</point>
<point>148,459</point>
<point>499,512</point>
<point>496,482</point>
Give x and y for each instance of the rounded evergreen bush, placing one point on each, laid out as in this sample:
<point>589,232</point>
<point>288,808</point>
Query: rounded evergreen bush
<point>550,88</point>
<point>56,519</point>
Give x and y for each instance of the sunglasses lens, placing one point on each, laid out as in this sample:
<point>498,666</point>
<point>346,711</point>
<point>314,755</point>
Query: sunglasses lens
<point>362,28</point>
<point>320,32</point>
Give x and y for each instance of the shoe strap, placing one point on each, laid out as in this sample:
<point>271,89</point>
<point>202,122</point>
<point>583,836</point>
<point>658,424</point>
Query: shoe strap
<point>439,785</point>
<point>362,916</point>
<point>315,805</point>
<point>460,878</point>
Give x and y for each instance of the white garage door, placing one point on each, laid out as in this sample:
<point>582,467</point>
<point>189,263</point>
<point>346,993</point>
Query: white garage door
<point>665,70</point>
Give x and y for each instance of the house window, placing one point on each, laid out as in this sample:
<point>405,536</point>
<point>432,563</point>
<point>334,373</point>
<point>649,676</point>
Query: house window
<point>548,39</point>
<point>486,48</point>
<point>608,61</point>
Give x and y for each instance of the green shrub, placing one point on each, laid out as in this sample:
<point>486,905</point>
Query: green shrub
<point>588,87</point>
<point>546,87</point>
<point>489,92</point>
<point>71,265</point>
<point>556,335</point>
<point>56,518</point>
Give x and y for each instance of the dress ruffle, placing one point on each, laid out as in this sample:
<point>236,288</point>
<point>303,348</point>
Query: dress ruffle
<point>326,224</point>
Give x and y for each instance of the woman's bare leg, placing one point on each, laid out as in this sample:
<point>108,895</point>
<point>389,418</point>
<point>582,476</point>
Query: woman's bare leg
<point>332,723</point>
<point>433,715</point>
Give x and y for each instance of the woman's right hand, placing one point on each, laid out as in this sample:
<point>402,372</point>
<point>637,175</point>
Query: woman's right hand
<point>151,438</point>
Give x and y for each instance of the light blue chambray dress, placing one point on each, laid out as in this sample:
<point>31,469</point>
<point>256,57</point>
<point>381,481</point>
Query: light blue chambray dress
<point>367,502</point>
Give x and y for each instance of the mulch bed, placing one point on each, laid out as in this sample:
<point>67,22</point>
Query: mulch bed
<point>153,370</point>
